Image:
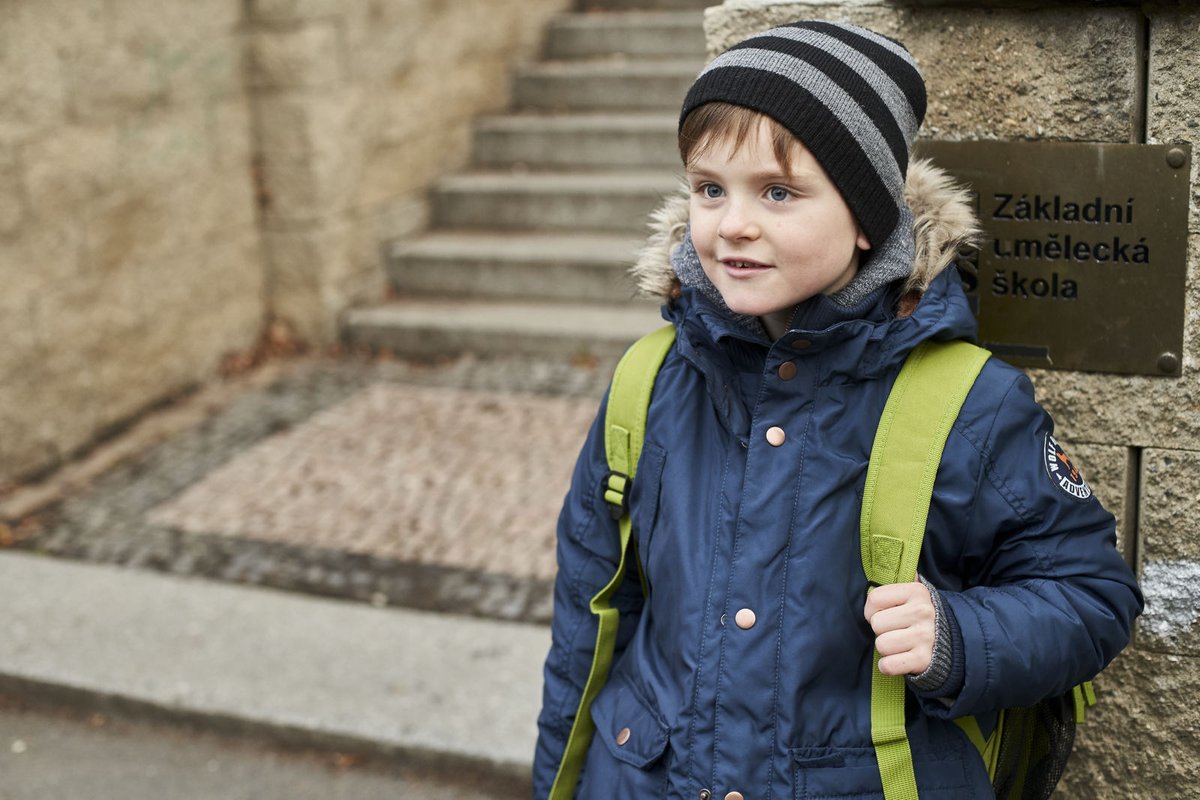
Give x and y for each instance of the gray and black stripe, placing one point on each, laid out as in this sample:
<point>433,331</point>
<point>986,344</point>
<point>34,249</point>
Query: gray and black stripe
<point>853,97</point>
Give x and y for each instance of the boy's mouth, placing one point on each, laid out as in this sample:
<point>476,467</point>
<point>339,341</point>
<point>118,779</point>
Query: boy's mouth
<point>743,265</point>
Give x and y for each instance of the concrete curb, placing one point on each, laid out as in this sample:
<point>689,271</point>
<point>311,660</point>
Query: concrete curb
<point>438,692</point>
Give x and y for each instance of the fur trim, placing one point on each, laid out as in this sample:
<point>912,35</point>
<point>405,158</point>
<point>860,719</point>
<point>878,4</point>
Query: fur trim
<point>652,272</point>
<point>943,222</point>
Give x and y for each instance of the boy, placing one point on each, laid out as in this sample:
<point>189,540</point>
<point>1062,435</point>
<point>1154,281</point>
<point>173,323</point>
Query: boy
<point>808,271</point>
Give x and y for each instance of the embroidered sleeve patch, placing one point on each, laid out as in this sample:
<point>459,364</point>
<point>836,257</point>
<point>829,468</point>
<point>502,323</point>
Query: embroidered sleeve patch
<point>1065,475</point>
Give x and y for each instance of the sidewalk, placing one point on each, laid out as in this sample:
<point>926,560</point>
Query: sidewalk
<point>418,501</point>
<point>438,690</point>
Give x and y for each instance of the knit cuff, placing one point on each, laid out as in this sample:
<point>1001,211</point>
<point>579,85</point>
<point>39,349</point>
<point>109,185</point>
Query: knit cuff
<point>944,676</point>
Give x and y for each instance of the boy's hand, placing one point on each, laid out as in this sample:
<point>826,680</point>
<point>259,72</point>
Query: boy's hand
<point>901,614</point>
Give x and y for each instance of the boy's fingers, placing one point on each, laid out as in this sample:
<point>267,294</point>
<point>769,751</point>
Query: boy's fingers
<point>903,653</point>
<point>902,664</point>
<point>893,594</point>
<point>911,612</point>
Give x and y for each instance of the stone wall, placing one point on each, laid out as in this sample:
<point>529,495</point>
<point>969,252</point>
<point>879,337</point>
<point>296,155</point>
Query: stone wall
<point>1086,72</point>
<point>174,174</point>
<point>130,256</point>
<point>359,105</point>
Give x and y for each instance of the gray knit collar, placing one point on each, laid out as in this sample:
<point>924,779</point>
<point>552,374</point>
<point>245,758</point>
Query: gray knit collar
<point>885,265</point>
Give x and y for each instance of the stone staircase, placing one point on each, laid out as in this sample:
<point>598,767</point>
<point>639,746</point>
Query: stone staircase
<point>526,251</point>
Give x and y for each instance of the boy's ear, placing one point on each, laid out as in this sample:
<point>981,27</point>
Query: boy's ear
<point>862,242</point>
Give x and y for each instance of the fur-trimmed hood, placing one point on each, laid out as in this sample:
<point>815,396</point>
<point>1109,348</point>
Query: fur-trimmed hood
<point>942,214</point>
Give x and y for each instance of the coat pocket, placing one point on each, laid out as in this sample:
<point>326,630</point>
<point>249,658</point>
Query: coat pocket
<point>631,730</point>
<point>851,773</point>
<point>625,759</point>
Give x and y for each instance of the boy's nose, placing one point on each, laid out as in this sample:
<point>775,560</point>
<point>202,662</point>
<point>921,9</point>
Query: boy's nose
<point>737,224</point>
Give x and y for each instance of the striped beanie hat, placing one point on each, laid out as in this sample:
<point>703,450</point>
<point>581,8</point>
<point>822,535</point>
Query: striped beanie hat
<point>853,97</point>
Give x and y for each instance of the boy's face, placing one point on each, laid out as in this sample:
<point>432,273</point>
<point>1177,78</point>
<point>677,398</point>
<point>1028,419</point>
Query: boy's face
<point>767,240</point>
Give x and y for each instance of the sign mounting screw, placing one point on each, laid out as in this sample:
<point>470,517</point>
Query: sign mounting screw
<point>1168,362</point>
<point>1176,157</point>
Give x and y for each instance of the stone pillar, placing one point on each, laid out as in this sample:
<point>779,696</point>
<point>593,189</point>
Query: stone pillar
<point>1081,73</point>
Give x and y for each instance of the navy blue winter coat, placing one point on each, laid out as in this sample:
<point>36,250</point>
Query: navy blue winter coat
<point>726,522</point>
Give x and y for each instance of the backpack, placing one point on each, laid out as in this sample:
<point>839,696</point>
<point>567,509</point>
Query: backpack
<point>1027,750</point>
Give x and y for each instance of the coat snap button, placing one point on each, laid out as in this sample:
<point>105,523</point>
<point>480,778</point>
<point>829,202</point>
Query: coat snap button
<point>775,436</point>
<point>623,736</point>
<point>787,370</point>
<point>734,796</point>
<point>801,344</point>
<point>705,794</point>
<point>745,619</point>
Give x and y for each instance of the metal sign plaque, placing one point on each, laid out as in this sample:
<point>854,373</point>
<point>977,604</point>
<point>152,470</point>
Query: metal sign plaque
<point>1084,255</point>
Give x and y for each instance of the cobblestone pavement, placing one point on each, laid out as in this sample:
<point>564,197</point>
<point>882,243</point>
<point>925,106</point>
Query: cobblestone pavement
<point>433,487</point>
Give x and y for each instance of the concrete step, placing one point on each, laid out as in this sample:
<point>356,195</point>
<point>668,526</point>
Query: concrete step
<point>429,328</point>
<point>410,686</point>
<point>639,34</point>
<point>510,265</point>
<point>600,141</point>
<point>605,85</point>
<point>645,5</point>
<point>611,201</point>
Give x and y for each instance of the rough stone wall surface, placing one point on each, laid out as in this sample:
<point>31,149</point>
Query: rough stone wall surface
<point>174,173</point>
<point>129,250</point>
<point>360,104</point>
<point>1074,72</point>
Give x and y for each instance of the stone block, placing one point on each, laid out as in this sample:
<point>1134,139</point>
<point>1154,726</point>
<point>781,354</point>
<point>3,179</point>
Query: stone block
<point>64,25</point>
<point>109,84</point>
<point>164,147</point>
<point>200,304</point>
<point>138,226</point>
<point>12,205</point>
<point>313,151</point>
<point>295,10</point>
<point>77,322</point>
<point>309,56</point>
<point>380,40</point>
<point>68,168</point>
<point>1106,469</point>
<point>154,23</point>
<point>230,134</point>
<point>33,90</point>
<point>1042,73</point>
<point>307,270</point>
<point>38,421</point>
<point>1170,552</point>
<point>22,349</point>
<point>1142,739</point>
<point>414,165</point>
<point>45,254</point>
<point>203,70</point>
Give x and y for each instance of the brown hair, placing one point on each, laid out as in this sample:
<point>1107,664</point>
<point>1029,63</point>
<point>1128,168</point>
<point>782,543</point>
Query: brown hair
<point>725,122</point>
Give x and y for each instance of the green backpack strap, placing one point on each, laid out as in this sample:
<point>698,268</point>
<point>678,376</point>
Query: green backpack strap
<point>624,431</point>
<point>920,411</point>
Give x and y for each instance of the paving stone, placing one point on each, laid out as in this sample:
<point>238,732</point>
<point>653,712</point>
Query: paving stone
<point>163,510</point>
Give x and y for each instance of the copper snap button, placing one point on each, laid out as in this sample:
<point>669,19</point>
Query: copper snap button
<point>745,619</point>
<point>734,796</point>
<point>801,344</point>
<point>623,736</point>
<point>787,370</point>
<point>775,436</point>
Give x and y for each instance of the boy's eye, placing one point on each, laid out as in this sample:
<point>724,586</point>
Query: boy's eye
<point>710,190</point>
<point>778,194</point>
